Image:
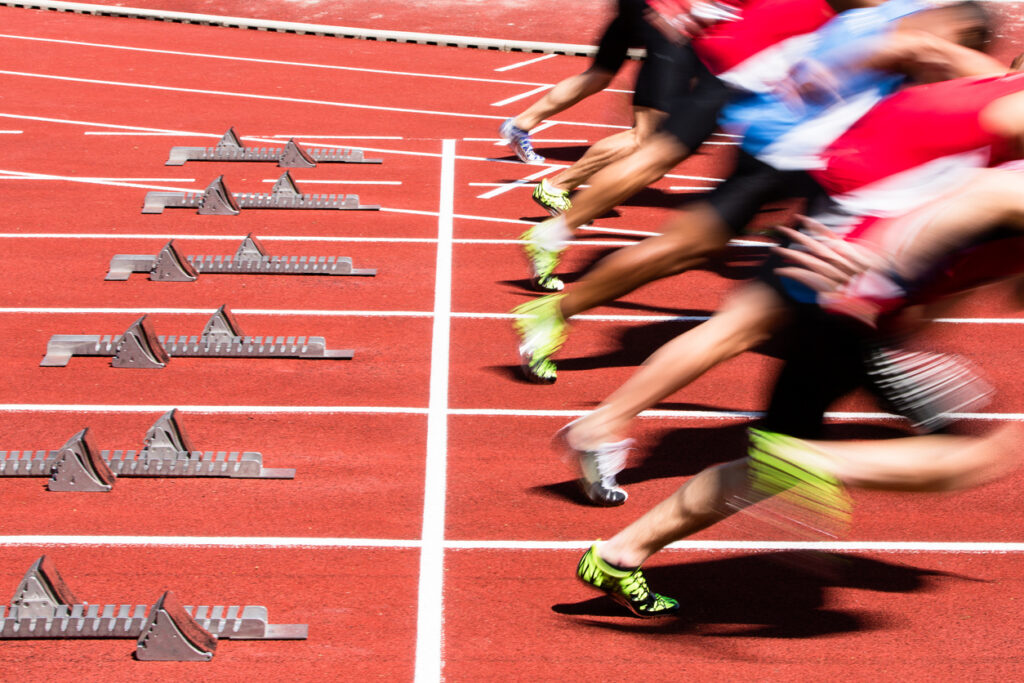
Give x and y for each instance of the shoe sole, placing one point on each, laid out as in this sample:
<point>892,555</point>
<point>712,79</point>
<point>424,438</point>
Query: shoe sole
<point>530,375</point>
<point>583,484</point>
<point>625,603</point>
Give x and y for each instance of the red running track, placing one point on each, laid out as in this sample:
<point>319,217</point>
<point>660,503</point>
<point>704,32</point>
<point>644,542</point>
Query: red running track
<point>356,545</point>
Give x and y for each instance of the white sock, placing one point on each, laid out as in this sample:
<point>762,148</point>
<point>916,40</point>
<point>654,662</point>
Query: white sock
<point>552,233</point>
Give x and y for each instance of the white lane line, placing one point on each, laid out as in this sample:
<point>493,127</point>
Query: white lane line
<point>22,175</point>
<point>143,130</point>
<point>521,96</point>
<point>527,62</point>
<point>211,409</point>
<point>206,55</point>
<point>306,181</point>
<point>734,415</point>
<point>464,315</point>
<point>430,610</point>
<point>505,187</point>
<point>227,238</point>
<point>276,98</point>
<point>245,95</point>
<point>499,141</point>
<point>11,132</point>
<point>298,136</point>
<point>944,547</point>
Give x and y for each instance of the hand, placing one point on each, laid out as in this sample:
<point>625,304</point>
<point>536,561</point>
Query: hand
<point>849,278</point>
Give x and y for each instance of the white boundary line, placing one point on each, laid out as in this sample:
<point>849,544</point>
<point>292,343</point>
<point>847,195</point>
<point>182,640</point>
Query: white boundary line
<point>736,415</point>
<point>430,610</point>
<point>464,315</point>
<point>317,29</point>
<point>527,62</point>
<point>990,547</point>
<point>521,96</point>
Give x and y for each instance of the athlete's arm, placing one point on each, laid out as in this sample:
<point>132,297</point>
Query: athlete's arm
<point>1005,117</point>
<point>926,57</point>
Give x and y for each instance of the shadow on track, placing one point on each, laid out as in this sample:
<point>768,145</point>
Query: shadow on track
<point>766,595</point>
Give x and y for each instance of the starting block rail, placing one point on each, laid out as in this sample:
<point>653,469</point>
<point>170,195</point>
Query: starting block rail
<point>139,347</point>
<point>292,155</point>
<point>166,453</point>
<point>44,607</point>
<point>250,259</point>
<point>216,200</point>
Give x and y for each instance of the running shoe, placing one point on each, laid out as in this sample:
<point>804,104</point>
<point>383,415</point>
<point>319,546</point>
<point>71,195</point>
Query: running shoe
<point>542,331</point>
<point>807,499</point>
<point>543,262</point>
<point>554,201</point>
<point>598,468</point>
<point>519,141</point>
<point>925,388</point>
<point>629,588</point>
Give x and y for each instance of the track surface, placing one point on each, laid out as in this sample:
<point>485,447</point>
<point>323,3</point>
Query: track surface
<point>429,530</point>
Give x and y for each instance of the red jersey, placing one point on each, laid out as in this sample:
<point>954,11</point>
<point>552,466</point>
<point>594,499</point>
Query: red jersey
<point>917,133</point>
<point>763,23</point>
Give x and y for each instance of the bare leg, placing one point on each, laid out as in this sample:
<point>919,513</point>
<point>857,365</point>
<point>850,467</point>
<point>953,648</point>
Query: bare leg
<point>687,238</point>
<point>696,505</point>
<point>565,94</point>
<point>747,318</point>
<point>938,462</point>
<point>658,155</point>
<point>610,149</point>
<point>993,198</point>
<point>918,463</point>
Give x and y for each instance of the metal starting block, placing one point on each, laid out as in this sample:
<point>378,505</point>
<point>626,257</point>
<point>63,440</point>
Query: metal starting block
<point>250,259</point>
<point>166,452</point>
<point>230,148</point>
<point>44,607</point>
<point>216,200</point>
<point>139,347</point>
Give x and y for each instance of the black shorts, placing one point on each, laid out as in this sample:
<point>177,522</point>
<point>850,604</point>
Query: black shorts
<point>823,361</point>
<point>753,184</point>
<point>694,108</point>
<point>668,70</point>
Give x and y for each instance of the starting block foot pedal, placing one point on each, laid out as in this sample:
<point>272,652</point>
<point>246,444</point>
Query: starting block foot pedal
<point>139,347</point>
<point>172,635</point>
<point>79,468</point>
<point>216,200</point>
<point>41,591</point>
<point>230,148</point>
<point>251,258</point>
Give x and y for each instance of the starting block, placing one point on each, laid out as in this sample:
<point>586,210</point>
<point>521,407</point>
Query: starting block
<point>44,607</point>
<point>230,148</point>
<point>216,200</point>
<point>250,259</point>
<point>139,347</point>
<point>166,452</point>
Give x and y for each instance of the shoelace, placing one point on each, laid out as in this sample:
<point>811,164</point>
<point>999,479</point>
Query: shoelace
<point>635,586</point>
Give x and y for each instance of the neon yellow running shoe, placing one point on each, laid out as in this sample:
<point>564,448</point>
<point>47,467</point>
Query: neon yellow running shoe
<point>542,260</point>
<point>628,588</point>
<point>809,499</point>
<point>542,331</point>
<point>554,201</point>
